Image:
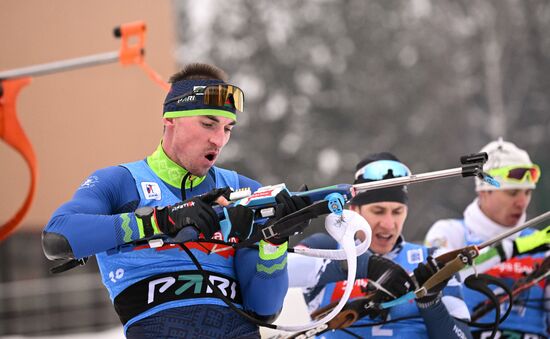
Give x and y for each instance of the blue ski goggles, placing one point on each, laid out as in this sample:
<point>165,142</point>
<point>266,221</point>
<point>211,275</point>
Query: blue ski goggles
<point>382,169</point>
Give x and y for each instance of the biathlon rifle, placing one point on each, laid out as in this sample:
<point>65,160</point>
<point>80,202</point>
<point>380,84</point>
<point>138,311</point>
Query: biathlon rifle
<point>323,201</point>
<point>330,199</point>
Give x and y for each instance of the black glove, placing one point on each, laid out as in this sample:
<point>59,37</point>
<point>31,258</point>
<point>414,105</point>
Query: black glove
<point>286,205</point>
<point>390,276</point>
<point>422,273</point>
<point>241,219</point>
<point>387,281</point>
<point>196,212</point>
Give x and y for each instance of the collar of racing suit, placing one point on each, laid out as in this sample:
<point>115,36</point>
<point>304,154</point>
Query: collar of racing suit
<point>169,171</point>
<point>396,249</point>
<point>483,228</point>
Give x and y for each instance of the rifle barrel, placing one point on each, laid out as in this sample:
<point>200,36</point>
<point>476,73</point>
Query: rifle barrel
<point>514,230</point>
<point>410,179</point>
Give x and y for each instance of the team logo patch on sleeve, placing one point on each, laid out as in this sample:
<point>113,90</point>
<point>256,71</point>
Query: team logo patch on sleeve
<point>90,182</point>
<point>151,190</point>
<point>415,256</point>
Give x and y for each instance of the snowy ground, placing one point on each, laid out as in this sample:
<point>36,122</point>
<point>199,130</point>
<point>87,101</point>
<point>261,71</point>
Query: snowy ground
<point>294,313</point>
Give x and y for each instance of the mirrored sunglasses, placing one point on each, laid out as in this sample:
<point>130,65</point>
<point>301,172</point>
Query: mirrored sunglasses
<point>382,169</point>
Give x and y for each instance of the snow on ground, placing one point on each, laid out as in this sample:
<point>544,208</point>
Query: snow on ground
<point>294,313</point>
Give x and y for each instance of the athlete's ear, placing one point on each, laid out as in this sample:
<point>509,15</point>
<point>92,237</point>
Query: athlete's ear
<point>167,121</point>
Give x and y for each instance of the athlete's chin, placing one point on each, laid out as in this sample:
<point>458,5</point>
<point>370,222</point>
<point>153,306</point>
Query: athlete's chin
<point>381,248</point>
<point>202,168</point>
<point>511,221</point>
<point>200,172</point>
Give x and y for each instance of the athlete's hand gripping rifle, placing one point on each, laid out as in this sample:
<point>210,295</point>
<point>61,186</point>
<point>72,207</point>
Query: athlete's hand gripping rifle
<point>330,199</point>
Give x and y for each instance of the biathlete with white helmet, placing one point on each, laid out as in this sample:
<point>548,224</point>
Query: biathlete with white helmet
<point>494,211</point>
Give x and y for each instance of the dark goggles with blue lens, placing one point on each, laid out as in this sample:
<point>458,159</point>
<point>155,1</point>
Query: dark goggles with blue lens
<point>382,169</point>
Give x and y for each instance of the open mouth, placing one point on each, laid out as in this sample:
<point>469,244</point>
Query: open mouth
<point>516,216</point>
<point>211,156</point>
<point>384,237</point>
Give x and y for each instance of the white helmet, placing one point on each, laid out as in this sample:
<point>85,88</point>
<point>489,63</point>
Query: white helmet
<point>509,165</point>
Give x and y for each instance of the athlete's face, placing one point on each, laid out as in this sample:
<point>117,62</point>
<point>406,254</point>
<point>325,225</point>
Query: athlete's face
<point>196,142</point>
<point>505,207</point>
<point>386,220</point>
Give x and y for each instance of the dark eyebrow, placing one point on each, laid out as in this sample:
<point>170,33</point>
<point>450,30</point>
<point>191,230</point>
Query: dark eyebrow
<point>215,118</point>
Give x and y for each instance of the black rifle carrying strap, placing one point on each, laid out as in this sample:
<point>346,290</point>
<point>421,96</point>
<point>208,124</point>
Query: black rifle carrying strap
<point>480,283</point>
<point>287,225</point>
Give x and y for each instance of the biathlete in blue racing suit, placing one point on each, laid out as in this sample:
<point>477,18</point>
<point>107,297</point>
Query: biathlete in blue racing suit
<point>442,313</point>
<point>409,320</point>
<point>159,292</point>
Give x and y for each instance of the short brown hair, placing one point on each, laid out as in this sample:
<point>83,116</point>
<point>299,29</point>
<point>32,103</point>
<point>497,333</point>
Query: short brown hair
<point>199,71</point>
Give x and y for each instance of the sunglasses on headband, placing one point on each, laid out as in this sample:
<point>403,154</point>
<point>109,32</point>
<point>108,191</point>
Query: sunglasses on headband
<point>382,169</point>
<point>522,173</point>
<point>212,95</point>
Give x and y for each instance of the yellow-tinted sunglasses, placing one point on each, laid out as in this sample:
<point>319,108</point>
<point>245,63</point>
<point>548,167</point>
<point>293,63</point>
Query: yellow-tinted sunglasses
<point>518,173</point>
